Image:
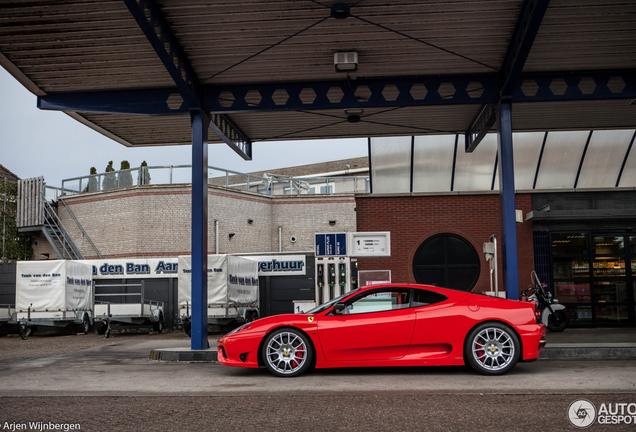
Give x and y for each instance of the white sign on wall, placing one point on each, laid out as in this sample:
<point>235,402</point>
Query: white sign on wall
<point>279,265</point>
<point>370,244</point>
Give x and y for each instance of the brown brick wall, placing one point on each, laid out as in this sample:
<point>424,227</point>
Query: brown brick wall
<point>413,219</point>
<point>148,221</point>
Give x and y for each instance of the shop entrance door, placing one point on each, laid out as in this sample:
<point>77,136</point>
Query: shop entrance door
<point>594,275</point>
<point>613,279</point>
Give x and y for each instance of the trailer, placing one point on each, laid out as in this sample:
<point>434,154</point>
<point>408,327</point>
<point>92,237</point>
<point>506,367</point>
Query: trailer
<point>121,312</point>
<point>53,294</point>
<point>8,316</point>
<point>233,296</point>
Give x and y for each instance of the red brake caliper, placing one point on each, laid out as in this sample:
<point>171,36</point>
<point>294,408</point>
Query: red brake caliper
<point>299,354</point>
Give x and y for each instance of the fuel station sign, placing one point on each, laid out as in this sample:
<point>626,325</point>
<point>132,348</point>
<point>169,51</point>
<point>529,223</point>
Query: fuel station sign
<point>331,244</point>
<point>370,244</point>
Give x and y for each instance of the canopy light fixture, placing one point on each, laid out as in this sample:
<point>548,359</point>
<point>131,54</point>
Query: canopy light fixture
<point>346,61</point>
<point>340,11</point>
<point>353,118</point>
<point>356,111</point>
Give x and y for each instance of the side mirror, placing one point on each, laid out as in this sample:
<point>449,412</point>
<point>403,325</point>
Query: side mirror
<point>338,308</point>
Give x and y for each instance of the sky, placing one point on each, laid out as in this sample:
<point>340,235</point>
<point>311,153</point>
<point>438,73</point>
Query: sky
<point>36,143</point>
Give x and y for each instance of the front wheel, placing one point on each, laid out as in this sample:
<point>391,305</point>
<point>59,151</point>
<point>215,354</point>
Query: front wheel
<point>558,321</point>
<point>492,349</point>
<point>287,352</point>
<point>101,328</point>
<point>86,325</point>
<point>158,326</point>
<point>25,332</point>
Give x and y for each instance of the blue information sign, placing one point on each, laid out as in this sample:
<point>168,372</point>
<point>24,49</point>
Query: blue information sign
<point>331,244</point>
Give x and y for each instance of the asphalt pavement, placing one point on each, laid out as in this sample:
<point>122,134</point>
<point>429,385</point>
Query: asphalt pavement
<point>114,386</point>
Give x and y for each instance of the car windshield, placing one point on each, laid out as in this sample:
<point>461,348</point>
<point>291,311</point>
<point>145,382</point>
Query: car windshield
<point>327,305</point>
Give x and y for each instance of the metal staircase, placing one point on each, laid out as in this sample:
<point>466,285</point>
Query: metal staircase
<point>57,235</point>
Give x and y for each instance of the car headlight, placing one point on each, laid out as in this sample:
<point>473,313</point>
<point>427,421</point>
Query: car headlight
<point>238,329</point>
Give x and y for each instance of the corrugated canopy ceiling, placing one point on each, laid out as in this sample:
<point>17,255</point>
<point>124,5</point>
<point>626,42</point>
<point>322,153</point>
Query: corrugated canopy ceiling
<point>71,46</point>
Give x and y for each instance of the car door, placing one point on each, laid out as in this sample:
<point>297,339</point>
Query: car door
<point>376,325</point>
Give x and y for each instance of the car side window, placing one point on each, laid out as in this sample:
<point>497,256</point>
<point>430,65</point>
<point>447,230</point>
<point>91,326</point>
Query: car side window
<point>423,297</point>
<point>380,301</point>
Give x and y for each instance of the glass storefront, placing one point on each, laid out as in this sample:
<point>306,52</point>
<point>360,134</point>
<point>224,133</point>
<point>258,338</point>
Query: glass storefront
<point>594,276</point>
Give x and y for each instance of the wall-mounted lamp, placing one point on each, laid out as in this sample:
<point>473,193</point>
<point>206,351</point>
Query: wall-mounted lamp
<point>232,235</point>
<point>345,61</point>
<point>332,222</point>
<point>250,221</point>
<point>44,256</point>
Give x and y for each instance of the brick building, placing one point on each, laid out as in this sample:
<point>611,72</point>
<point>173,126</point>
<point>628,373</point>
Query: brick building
<point>414,219</point>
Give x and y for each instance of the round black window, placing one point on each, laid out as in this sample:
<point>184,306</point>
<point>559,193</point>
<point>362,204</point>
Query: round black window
<point>447,260</point>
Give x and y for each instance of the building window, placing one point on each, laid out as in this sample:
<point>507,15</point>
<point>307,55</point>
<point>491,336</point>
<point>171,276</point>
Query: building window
<point>447,260</point>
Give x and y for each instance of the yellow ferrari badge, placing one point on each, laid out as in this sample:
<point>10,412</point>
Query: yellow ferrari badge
<point>310,319</point>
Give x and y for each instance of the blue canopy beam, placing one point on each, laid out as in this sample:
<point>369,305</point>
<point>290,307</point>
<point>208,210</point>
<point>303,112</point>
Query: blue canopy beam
<point>318,95</point>
<point>523,35</point>
<point>199,265</point>
<point>152,22</point>
<point>507,200</point>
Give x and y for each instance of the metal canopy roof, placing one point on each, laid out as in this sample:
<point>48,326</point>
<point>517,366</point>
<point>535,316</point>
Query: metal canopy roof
<point>425,67</point>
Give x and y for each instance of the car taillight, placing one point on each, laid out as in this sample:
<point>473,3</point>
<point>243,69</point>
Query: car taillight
<point>537,315</point>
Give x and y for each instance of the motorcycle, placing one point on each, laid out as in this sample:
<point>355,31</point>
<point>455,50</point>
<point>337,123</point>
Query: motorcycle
<point>551,312</point>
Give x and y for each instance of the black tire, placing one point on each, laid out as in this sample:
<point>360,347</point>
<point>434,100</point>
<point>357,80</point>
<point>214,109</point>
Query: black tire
<point>25,332</point>
<point>558,321</point>
<point>287,352</point>
<point>100,328</point>
<point>86,324</point>
<point>158,326</point>
<point>492,348</point>
<point>251,316</point>
<point>187,328</point>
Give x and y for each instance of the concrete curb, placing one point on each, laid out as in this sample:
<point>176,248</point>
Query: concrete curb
<point>554,351</point>
<point>585,351</point>
<point>184,355</point>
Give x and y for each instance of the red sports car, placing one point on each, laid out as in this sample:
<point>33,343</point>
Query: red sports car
<point>391,325</point>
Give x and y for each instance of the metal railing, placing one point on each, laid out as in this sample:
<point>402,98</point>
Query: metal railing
<point>182,174</point>
<point>57,235</point>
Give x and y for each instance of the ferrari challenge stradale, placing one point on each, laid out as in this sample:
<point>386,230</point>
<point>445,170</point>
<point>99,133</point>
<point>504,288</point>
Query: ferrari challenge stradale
<point>391,325</point>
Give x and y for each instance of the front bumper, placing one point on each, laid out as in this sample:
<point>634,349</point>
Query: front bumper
<point>239,349</point>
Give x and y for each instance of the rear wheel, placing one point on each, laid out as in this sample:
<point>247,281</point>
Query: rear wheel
<point>558,321</point>
<point>287,352</point>
<point>492,349</point>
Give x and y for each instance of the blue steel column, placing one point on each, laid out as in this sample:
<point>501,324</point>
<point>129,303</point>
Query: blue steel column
<point>199,275</point>
<point>507,199</point>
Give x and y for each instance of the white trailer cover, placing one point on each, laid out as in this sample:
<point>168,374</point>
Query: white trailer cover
<point>232,281</point>
<point>53,286</point>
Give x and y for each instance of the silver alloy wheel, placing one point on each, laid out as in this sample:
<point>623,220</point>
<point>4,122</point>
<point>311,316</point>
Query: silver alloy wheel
<point>493,349</point>
<point>286,353</point>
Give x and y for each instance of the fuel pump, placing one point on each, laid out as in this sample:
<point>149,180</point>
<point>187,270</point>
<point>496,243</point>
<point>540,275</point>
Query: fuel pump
<point>320,281</point>
<point>332,280</point>
<point>342,270</point>
<point>334,277</point>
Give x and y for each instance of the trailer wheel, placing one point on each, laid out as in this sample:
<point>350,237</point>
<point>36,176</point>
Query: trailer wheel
<point>86,325</point>
<point>158,326</point>
<point>101,328</point>
<point>25,332</point>
<point>107,333</point>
